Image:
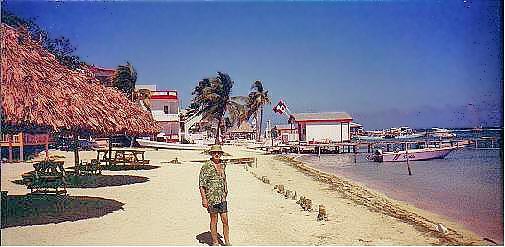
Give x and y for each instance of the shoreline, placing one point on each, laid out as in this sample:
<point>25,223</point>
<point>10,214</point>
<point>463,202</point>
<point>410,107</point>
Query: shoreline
<point>166,209</point>
<point>376,201</point>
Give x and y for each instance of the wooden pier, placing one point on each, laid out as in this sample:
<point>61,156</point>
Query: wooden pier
<point>386,145</point>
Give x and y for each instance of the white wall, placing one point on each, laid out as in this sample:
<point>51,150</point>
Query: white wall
<point>335,132</point>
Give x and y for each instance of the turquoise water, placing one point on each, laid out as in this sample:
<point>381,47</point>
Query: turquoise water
<point>466,186</point>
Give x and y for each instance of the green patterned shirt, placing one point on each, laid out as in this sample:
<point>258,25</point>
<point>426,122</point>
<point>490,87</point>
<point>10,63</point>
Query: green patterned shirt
<point>214,184</point>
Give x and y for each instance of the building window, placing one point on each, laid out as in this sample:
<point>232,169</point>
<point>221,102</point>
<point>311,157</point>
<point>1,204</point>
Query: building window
<point>165,109</point>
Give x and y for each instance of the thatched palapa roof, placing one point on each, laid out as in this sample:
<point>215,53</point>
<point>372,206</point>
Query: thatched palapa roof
<point>38,91</point>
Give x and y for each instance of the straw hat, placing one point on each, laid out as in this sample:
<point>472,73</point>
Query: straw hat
<point>216,148</point>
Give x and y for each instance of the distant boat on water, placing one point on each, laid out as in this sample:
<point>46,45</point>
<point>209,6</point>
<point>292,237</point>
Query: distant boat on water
<point>369,138</point>
<point>166,145</point>
<point>413,154</point>
<point>392,133</point>
<point>442,133</point>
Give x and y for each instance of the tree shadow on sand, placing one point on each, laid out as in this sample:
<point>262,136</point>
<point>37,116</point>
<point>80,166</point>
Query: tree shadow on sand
<point>96,181</point>
<point>26,210</point>
<point>206,238</point>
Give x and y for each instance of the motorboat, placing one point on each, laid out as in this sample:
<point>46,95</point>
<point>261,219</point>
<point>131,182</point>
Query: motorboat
<point>442,133</point>
<point>413,154</point>
<point>402,133</point>
<point>410,136</point>
<point>369,138</point>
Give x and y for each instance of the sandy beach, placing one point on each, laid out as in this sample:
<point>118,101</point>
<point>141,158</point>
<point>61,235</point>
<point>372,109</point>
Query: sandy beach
<point>166,209</point>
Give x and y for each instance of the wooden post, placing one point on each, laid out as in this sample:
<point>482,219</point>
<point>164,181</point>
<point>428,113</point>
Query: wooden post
<point>272,136</point>
<point>47,146</point>
<point>319,152</point>
<point>21,146</point>
<point>10,147</point>
<point>76,149</point>
<point>109,155</point>
<point>407,154</point>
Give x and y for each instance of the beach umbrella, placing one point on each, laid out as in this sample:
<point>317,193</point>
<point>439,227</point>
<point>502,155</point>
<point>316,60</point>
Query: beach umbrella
<point>41,95</point>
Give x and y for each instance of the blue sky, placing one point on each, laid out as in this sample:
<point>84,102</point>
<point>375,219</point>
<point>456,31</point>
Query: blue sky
<point>416,63</point>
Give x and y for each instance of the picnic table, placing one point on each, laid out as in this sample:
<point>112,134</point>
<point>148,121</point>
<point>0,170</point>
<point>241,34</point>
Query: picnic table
<point>122,156</point>
<point>48,174</point>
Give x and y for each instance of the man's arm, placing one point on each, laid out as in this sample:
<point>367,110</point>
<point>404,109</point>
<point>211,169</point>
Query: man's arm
<point>205,203</point>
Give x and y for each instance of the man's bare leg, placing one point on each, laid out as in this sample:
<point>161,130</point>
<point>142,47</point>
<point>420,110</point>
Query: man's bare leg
<point>213,228</point>
<point>226,228</point>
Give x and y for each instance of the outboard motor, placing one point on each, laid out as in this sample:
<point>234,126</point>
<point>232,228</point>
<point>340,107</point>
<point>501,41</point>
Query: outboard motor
<point>377,155</point>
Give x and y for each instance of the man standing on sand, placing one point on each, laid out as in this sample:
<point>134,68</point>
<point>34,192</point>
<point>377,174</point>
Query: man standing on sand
<point>213,190</point>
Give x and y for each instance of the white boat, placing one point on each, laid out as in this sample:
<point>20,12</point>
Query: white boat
<point>409,136</point>
<point>369,138</point>
<point>442,133</point>
<point>413,154</point>
<point>166,145</point>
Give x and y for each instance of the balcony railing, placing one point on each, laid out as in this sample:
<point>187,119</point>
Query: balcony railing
<point>28,139</point>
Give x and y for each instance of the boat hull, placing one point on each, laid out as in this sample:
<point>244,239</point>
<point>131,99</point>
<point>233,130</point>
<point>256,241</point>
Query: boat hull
<point>413,155</point>
<point>411,136</point>
<point>165,145</point>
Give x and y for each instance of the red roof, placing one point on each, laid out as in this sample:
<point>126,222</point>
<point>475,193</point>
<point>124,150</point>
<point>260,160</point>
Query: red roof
<point>164,94</point>
<point>323,117</point>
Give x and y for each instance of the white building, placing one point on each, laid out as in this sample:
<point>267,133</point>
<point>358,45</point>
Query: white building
<point>323,127</point>
<point>165,111</point>
<point>287,132</point>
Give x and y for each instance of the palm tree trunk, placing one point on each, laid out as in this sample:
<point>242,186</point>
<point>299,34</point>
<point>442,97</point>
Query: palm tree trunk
<point>261,122</point>
<point>217,131</point>
<point>257,125</point>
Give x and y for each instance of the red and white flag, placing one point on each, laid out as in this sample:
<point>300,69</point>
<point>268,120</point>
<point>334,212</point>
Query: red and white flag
<point>281,108</point>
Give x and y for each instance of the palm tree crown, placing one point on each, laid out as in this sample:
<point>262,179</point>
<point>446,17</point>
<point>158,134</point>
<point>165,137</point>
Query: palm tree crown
<point>212,98</point>
<point>258,97</point>
<point>125,79</point>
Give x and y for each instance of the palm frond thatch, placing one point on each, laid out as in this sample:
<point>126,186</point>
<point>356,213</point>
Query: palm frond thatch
<point>38,91</point>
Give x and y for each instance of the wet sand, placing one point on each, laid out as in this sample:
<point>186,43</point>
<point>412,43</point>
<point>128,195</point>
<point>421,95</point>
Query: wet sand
<point>166,209</point>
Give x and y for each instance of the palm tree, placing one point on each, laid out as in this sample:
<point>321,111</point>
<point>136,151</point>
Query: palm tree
<point>212,98</point>
<point>258,97</point>
<point>125,79</point>
<point>142,96</point>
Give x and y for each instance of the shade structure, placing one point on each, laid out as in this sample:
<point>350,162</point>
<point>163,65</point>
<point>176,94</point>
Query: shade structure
<point>37,90</point>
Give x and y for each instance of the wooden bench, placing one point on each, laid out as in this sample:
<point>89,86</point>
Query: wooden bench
<point>47,175</point>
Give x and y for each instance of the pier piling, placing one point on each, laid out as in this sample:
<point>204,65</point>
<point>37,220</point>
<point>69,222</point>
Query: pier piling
<point>407,154</point>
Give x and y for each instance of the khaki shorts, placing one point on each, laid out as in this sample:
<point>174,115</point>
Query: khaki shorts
<point>218,208</point>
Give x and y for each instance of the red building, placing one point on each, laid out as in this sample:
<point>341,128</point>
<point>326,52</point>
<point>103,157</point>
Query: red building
<point>105,76</point>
